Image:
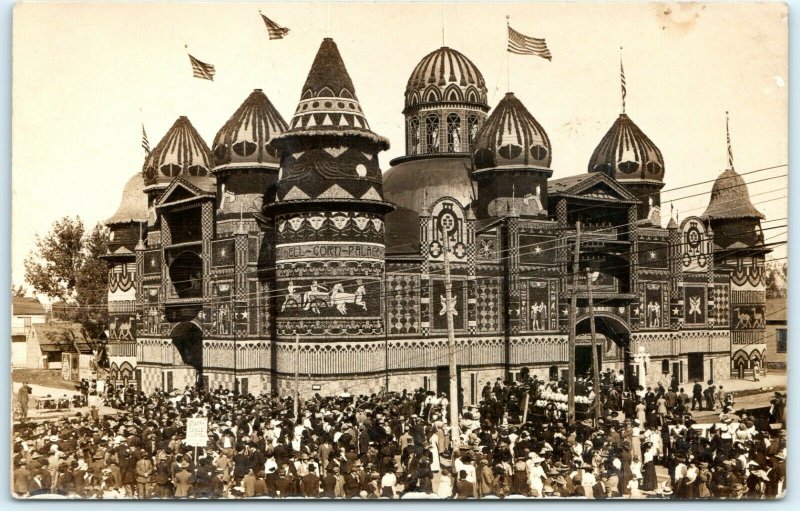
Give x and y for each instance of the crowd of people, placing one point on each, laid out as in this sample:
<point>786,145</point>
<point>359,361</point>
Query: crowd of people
<point>400,445</point>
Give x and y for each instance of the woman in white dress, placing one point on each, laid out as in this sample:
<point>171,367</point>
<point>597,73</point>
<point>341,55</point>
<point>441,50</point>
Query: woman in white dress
<point>433,440</point>
<point>536,475</point>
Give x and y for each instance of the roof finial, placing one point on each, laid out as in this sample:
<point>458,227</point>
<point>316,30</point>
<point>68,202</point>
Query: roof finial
<point>443,45</point>
<point>728,136</point>
<point>622,80</point>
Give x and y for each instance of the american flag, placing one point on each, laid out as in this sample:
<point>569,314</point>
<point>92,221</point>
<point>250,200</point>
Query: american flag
<point>202,70</point>
<point>145,142</point>
<point>622,83</point>
<point>275,31</point>
<point>524,45</point>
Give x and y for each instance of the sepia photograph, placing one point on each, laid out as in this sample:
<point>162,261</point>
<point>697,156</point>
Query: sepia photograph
<point>399,250</point>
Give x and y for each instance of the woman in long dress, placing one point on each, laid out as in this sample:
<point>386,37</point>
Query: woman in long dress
<point>433,440</point>
<point>536,475</point>
<point>650,481</point>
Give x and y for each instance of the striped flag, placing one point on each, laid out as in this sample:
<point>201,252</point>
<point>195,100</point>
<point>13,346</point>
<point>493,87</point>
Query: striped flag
<point>145,142</point>
<point>275,31</point>
<point>524,45</point>
<point>728,135</point>
<point>622,84</point>
<point>201,69</point>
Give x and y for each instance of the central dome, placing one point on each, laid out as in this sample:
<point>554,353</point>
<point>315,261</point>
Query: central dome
<point>445,75</point>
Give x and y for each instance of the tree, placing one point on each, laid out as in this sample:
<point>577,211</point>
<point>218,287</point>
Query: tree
<point>775,279</point>
<point>66,266</point>
<point>17,292</point>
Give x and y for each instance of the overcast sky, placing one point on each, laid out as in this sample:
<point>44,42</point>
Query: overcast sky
<point>86,76</point>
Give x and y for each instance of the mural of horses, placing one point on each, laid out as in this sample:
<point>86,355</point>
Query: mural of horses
<point>339,298</point>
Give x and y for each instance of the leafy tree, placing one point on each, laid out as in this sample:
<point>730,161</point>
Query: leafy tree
<point>776,274</point>
<point>17,292</point>
<point>66,267</point>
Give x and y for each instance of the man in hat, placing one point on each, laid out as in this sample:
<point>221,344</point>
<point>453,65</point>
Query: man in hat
<point>144,473</point>
<point>183,481</point>
<point>697,395</point>
<point>309,483</point>
<point>23,394</point>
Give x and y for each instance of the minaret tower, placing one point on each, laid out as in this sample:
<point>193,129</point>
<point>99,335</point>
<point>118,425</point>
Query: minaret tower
<point>328,217</point>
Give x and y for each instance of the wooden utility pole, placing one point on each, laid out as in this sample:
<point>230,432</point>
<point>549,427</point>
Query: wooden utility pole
<point>296,377</point>
<point>572,312</point>
<point>455,430</point>
<point>595,361</point>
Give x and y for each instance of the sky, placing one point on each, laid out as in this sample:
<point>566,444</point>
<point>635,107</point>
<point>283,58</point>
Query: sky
<point>87,76</point>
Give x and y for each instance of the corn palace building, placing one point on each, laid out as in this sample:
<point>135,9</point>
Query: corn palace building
<point>283,246</point>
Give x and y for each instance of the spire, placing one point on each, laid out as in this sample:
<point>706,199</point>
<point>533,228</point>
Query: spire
<point>728,136</point>
<point>622,80</point>
<point>328,72</point>
<point>328,103</point>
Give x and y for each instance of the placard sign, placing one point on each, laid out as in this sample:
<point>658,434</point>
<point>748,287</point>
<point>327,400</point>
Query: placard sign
<point>197,431</point>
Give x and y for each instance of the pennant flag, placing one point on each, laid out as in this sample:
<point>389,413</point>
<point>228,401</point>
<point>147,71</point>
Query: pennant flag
<point>201,69</point>
<point>145,142</point>
<point>524,45</point>
<point>275,31</point>
<point>728,135</point>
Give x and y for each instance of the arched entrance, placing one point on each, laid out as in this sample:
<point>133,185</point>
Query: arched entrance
<point>186,275</point>
<point>613,342</point>
<point>187,337</point>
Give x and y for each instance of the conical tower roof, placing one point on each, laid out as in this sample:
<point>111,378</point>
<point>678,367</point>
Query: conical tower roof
<point>181,152</point>
<point>511,136</point>
<point>133,207</point>
<point>245,138</point>
<point>730,199</point>
<point>328,102</point>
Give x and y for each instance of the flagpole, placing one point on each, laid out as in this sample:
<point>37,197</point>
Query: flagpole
<point>728,138</point>
<point>508,56</point>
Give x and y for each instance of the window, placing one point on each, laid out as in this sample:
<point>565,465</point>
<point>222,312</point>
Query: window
<point>472,130</point>
<point>665,366</point>
<point>780,340</point>
<point>413,136</point>
<point>453,133</point>
<point>553,373</point>
<point>425,382</point>
<point>432,133</point>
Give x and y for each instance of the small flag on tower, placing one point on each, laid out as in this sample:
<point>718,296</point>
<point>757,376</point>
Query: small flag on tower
<point>728,136</point>
<point>145,142</point>
<point>622,84</point>
<point>523,45</point>
<point>201,69</point>
<point>275,31</point>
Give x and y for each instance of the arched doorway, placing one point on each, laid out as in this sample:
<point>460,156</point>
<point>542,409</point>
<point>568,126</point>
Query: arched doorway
<point>187,337</point>
<point>186,275</point>
<point>613,342</point>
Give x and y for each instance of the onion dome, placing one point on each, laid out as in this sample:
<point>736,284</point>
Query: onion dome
<point>511,136</point>
<point>625,152</point>
<point>328,102</point>
<point>181,152</point>
<point>730,199</point>
<point>245,138</point>
<point>445,75</point>
<point>133,207</point>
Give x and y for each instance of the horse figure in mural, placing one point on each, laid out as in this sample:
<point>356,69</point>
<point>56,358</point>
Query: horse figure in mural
<point>339,298</point>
